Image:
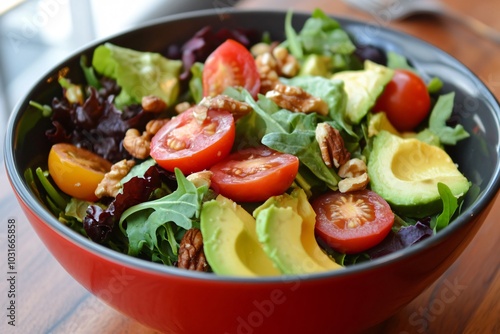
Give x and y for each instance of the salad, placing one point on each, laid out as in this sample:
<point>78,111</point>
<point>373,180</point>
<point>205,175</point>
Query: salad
<point>240,155</point>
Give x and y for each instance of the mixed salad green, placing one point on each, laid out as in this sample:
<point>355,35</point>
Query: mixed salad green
<point>313,149</point>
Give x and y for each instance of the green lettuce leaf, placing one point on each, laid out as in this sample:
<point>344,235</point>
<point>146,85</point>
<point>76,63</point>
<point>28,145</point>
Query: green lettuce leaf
<point>138,73</point>
<point>320,35</point>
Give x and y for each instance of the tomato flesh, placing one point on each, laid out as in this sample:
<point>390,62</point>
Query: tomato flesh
<point>405,100</point>
<point>192,145</point>
<point>254,174</point>
<point>230,65</point>
<point>352,222</point>
<point>76,171</point>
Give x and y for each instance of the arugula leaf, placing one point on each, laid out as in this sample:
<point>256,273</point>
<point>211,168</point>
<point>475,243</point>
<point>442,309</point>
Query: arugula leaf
<point>450,205</point>
<point>265,108</point>
<point>292,38</point>
<point>141,223</point>
<point>438,117</point>
<point>302,144</point>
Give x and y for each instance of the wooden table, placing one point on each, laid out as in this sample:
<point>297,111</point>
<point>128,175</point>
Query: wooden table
<point>50,301</point>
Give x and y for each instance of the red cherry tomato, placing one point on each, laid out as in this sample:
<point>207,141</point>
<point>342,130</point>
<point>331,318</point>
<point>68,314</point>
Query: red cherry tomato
<point>254,174</point>
<point>230,65</point>
<point>192,145</point>
<point>352,222</point>
<point>405,100</point>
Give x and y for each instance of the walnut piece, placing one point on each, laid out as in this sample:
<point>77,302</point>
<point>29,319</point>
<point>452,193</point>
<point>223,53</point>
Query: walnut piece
<point>331,144</point>
<point>288,66</point>
<point>155,125</point>
<point>136,144</point>
<point>272,62</point>
<point>296,99</point>
<point>353,183</point>
<point>260,48</point>
<point>202,178</point>
<point>191,255</point>
<point>352,168</point>
<point>354,174</point>
<point>200,113</point>
<point>235,107</point>
<point>267,68</point>
<point>153,103</point>
<point>110,184</point>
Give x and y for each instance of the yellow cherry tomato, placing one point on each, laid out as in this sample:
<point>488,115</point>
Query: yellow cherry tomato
<point>77,171</point>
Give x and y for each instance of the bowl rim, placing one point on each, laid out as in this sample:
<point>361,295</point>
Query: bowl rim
<point>32,203</point>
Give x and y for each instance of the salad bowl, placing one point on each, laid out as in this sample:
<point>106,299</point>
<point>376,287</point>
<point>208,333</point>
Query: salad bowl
<point>351,300</point>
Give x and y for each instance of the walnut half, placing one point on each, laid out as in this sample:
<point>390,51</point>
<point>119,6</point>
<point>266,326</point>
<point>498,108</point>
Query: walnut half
<point>331,144</point>
<point>191,255</point>
<point>136,144</point>
<point>110,184</point>
<point>296,99</point>
<point>235,107</point>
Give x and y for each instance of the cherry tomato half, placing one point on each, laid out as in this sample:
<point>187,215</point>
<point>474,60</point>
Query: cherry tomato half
<point>405,100</point>
<point>352,222</point>
<point>254,174</point>
<point>77,171</point>
<point>192,145</point>
<point>230,65</point>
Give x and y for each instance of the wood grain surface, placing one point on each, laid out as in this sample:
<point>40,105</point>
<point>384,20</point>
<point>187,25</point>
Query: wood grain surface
<point>464,300</point>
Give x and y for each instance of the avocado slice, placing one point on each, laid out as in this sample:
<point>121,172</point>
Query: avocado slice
<point>285,227</point>
<point>230,242</point>
<point>406,171</point>
<point>363,88</point>
<point>316,65</point>
<point>378,122</point>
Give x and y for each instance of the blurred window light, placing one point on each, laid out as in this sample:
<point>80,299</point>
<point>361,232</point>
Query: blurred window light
<point>6,5</point>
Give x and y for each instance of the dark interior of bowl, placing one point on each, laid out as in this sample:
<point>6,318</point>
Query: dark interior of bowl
<point>475,107</point>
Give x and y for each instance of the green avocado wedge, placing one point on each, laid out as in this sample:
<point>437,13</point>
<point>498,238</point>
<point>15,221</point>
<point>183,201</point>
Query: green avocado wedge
<point>285,227</point>
<point>363,88</point>
<point>230,241</point>
<point>406,171</point>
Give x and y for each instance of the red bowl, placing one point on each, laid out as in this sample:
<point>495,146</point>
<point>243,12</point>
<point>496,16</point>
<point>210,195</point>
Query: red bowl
<point>173,300</point>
